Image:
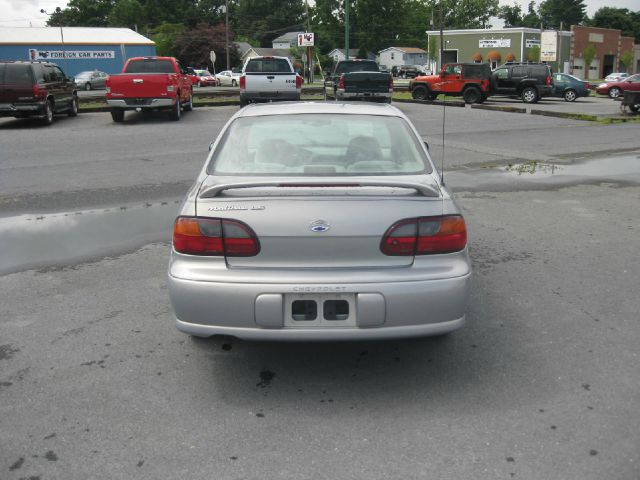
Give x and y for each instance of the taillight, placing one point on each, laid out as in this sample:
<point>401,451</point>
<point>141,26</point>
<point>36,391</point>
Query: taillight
<point>243,82</point>
<point>586,85</point>
<point>39,92</point>
<point>298,82</point>
<point>341,82</point>
<point>425,236</point>
<point>214,237</point>
<point>548,80</point>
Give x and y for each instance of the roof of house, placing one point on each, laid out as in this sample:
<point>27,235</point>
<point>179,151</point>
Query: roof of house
<point>71,36</point>
<point>243,47</point>
<point>405,49</point>
<point>267,52</point>
<point>352,51</point>
<point>287,37</point>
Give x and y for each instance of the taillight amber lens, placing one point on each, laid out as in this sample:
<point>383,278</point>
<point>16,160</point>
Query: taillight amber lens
<point>425,236</point>
<point>214,237</point>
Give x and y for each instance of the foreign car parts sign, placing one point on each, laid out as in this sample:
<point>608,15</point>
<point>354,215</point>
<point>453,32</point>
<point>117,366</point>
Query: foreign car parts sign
<point>71,54</point>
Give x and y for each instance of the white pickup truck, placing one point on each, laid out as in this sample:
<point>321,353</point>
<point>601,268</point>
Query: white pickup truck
<point>269,79</point>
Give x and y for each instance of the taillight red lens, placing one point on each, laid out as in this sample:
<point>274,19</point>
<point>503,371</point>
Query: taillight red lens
<point>425,236</point>
<point>39,92</point>
<point>243,82</point>
<point>341,82</point>
<point>214,237</point>
<point>548,80</point>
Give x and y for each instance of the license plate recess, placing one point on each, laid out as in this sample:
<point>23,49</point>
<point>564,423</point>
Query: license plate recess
<point>320,310</point>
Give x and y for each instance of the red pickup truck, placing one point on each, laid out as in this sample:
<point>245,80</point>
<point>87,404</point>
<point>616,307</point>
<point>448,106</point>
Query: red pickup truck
<point>150,83</point>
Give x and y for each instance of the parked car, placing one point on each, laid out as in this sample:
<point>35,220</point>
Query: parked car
<point>36,89</point>
<point>319,221</point>
<point>615,76</point>
<point>529,81</point>
<point>358,80</point>
<point>205,78</point>
<point>150,83</point>
<point>615,89</point>
<point>411,71</point>
<point>228,78</point>
<point>471,81</point>
<point>268,79</point>
<point>569,87</point>
<point>91,80</point>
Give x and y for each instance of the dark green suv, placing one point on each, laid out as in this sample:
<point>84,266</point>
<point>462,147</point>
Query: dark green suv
<point>36,89</point>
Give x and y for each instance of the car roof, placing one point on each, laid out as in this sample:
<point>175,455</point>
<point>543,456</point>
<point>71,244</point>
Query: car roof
<point>295,108</point>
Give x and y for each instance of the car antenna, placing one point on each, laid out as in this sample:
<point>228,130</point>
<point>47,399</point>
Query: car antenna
<point>444,100</point>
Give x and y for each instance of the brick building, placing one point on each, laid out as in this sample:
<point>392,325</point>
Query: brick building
<point>610,45</point>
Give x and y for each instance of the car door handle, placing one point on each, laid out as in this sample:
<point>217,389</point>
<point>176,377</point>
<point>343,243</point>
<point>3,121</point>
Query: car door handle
<point>138,80</point>
<point>270,77</point>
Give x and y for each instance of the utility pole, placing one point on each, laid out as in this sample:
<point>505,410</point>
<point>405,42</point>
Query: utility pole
<point>226,21</point>
<point>64,51</point>
<point>560,67</point>
<point>346,28</point>
<point>309,54</point>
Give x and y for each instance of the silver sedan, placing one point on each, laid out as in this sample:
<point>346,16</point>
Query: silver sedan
<point>314,221</point>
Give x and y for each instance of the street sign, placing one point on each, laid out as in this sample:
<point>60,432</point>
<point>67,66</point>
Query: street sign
<point>306,39</point>
<point>212,55</point>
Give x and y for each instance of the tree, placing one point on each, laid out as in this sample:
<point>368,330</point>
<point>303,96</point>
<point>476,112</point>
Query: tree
<point>511,14</point>
<point>327,20</point>
<point>567,12</point>
<point>466,13</point>
<point>265,20</point>
<point>588,54</point>
<point>165,37</point>
<point>432,48</point>
<point>192,47</point>
<point>533,54</point>
<point>126,13</point>
<point>619,18</point>
<point>531,19</point>
<point>82,13</point>
<point>627,60</point>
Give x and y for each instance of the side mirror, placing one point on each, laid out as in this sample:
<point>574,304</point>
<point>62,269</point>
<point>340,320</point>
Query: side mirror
<point>211,146</point>
<point>426,144</point>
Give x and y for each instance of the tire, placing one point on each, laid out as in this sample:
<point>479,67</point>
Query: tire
<point>87,86</point>
<point>635,107</point>
<point>420,93</point>
<point>243,103</point>
<point>117,115</point>
<point>614,92</point>
<point>47,119</point>
<point>234,83</point>
<point>483,98</point>
<point>176,110</point>
<point>471,95</point>
<point>189,105</point>
<point>569,96</point>
<point>529,95</point>
<point>73,109</point>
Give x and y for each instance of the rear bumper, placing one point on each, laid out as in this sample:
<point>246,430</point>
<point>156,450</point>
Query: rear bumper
<point>382,310</point>
<point>257,97</point>
<point>342,95</point>
<point>11,109</point>
<point>130,103</point>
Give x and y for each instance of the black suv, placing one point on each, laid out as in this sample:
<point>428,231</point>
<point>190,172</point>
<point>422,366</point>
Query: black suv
<point>36,89</point>
<point>530,81</point>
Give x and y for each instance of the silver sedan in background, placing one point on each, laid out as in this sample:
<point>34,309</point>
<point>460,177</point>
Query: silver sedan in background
<point>314,221</point>
<point>91,80</point>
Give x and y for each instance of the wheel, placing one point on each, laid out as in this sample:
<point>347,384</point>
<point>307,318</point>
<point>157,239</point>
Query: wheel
<point>420,93</point>
<point>483,98</point>
<point>117,115</point>
<point>614,92</point>
<point>635,107</point>
<point>47,118</point>
<point>73,109</point>
<point>87,86</point>
<point>189,105</point>
<point>471,95</point>
<point>234,83</point>
<point>176,111</point>
<point>570,96</point>
<point>529,95</point>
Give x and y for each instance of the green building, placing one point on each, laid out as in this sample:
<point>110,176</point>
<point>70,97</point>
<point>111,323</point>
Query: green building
<point>498,46</point>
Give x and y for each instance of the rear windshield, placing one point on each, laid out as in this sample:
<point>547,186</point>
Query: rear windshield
<point>348,67</point>
<point>16,74</point>
<point>150,65</point>
<point>319,145</point>
<point>268,65</point>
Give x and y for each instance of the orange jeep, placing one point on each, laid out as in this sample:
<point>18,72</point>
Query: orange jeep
<point>471,81</point>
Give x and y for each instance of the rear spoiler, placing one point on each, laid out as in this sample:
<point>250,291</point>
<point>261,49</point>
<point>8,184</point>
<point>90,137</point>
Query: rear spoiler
<point>421,188</point>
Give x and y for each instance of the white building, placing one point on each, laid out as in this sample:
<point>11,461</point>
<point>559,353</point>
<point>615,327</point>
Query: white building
<point>400,56</point>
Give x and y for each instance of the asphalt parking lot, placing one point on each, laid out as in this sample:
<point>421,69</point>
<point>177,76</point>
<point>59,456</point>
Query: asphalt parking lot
<point>543,382</point>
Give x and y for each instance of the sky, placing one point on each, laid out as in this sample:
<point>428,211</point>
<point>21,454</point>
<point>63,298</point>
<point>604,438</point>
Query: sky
<point>25,13</point>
